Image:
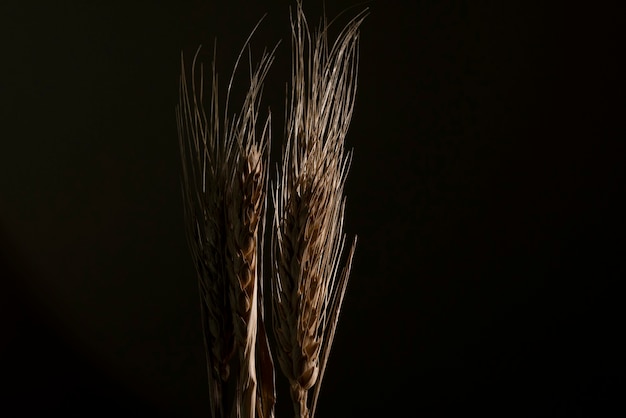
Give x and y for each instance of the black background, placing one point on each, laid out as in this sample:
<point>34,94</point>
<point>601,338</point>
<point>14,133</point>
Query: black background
<point>485,190</point>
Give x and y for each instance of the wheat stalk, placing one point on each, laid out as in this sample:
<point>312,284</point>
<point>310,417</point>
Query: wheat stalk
<point>308,238</point>
<point>225,182</point>
<point>224,193</point>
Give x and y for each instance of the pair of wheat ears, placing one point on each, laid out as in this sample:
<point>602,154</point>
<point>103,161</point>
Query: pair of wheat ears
<point>225,184</point>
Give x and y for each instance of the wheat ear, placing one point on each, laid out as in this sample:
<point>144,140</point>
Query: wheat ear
<point>308,238</point>
<point>224,193</point>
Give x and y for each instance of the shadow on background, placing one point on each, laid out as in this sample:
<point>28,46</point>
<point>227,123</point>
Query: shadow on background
<point>43,371</point>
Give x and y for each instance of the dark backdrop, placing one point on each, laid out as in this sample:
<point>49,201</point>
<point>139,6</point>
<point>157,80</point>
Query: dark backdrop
<point>485,190</point>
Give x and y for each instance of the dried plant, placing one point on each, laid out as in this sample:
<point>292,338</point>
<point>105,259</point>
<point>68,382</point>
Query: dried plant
<point>308,240</point>
<point>225,181</point>
<point>224,186</point>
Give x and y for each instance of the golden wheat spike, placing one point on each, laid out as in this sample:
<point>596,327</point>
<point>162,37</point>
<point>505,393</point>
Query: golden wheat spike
<point>308,238</point>
<point>224,186</point>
